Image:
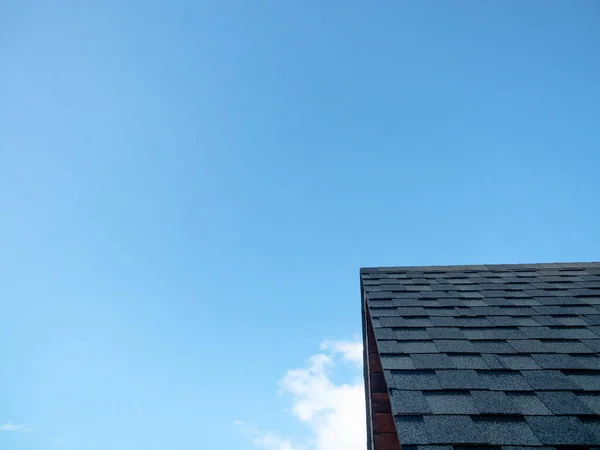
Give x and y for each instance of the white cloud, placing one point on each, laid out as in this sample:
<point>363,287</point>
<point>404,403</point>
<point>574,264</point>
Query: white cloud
<point>334,413</point>
<point>9,426</point>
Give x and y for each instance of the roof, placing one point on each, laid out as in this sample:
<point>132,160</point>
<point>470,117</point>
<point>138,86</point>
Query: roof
<point>505,356</point>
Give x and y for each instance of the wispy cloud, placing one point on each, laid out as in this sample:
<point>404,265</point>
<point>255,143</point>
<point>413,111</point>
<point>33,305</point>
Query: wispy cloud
<point>335,413</point>
<point>9,426</point>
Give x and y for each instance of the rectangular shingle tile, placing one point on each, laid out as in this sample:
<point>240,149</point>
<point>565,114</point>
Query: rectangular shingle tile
<point>388,347</point>
<point>555,361</point>
<point>410,333</point>
<point>492,361</point>
<point>418,347</point>
<point>570,320</point>
<point>445,333</point>
<point>548,380</point>
<point>564,403</point>
<point>452,430</point>
<point>416,380</point>
<point>518,362</point>
<point>506,431</point>
<point>541,332</point>
<point>593,344</point>
<point>450,402</point>
<point>455,346</point>
<point>527,403</point>
<point>468,361</point>
<point>513,321</point>
<point>591,362</point>
<point>473,322</point>
<point>566,346</point>
<point>586,381</point>
<point>409,402</point>
<point>384,333</point>
<point>493,333</point>
<point>460,379</point>
<point>497,380</point>
<point>592,426</point>
<point>560,430</point>
<point>396,362</point>
<point>405,322</point>
<point>592,401</point>
<point>410,311</point>
<point>527,346</point>
<point>383,312</point>
<point>412,430</point>
<point>432,361</point>
<point>493,346</point>
<point>493,402</point>
<point>578,333</point>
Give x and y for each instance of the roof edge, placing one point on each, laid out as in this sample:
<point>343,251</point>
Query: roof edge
<point>482,267</point>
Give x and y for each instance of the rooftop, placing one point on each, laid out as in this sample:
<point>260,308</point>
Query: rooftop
<point>496,356</point>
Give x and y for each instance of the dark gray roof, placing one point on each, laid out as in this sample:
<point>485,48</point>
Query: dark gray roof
<point>491,356</point>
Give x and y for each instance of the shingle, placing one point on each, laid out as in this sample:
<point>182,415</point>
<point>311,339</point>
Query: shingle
<point>555,361</point>
<point>570,320</point>
<point>410,311</point>
<point>564,403</point>
<point>592,401</point>
<point>546,320</point>
<point>578,333</point>
<point>518,362</point>
<point>541,332</point>
<point>460,379</point>
<point>592,426</point>
<point>436,294</point>
<point>412,430</point>
<point>527,403</point>
<point>410,333</point>
<point>452,430</point>
<point>384,333</point>
<point>528,346</point>
<point>592,319</point>
<point>565,346</point>
<point>432,361</point>
<point>560,430</point>
<point>418,347</point>
<point>445,333</point>
<point>388,347</point>
<point>405,322</point>
<point>590,362</point>
<point>493,402</point>
<point>493,333</point>
<point>492,361</point>
<point>408,402</point>
<point>586,381</point>
<point>508,321</point>
<point>416,380</point>
<point>450,403</point>
<point>466,361</point>
<point>473,322</point>
<point>495,346</point>
<point>506,431</point>
<point>396,362</point>
<point>552,310</point>
<point>442,311</point>
<point>455,346</point>
<point>548,380</point>
<point>593,344</point>
<point>497,380</point>
<point>440,321</point>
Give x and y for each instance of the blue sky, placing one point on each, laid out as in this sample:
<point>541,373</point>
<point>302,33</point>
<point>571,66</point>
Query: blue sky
<point>189,188</point>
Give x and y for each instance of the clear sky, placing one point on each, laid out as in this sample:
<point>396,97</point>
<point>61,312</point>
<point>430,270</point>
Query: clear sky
<point>189,188</point>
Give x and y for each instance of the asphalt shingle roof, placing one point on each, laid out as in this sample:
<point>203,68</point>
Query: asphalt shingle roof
<point>499,357</point>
